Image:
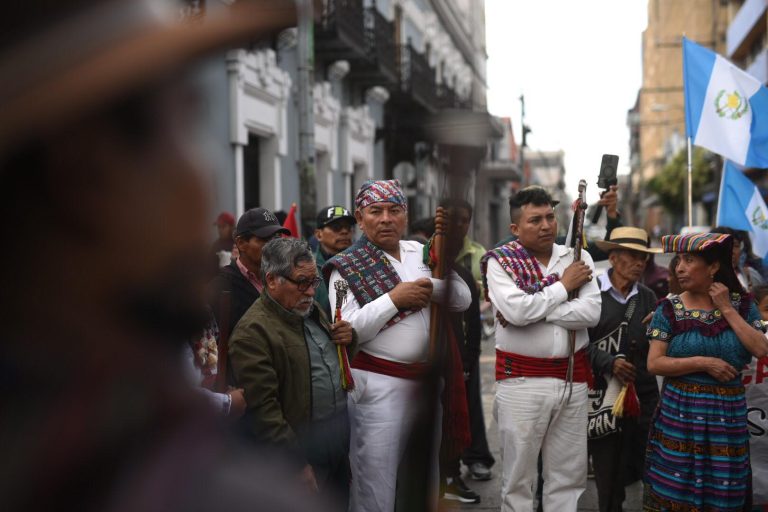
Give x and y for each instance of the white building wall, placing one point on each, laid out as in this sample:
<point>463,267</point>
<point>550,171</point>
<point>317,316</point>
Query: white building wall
<point>259,92</point>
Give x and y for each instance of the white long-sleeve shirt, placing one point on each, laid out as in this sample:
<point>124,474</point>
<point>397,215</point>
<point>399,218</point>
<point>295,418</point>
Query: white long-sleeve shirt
<point>407,341</point>
<point>539,322</point>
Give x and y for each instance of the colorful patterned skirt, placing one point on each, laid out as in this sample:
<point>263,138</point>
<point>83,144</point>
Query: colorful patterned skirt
<point>697,458</point>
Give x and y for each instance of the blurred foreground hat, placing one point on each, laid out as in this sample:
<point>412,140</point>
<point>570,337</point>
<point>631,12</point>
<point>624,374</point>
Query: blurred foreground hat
<point>380,191</point>
<point>695,242</point>
<point>60,60</point>
<point>225,218</point>
<point>332,214</point>
<point>259,222</point>
<point>628,238</point>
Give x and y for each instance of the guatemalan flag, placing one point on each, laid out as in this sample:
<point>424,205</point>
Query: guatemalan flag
<point>726,109</point>
<point>742,207</point>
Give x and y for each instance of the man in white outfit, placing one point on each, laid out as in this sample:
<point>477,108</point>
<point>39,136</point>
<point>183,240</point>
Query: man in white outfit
<point>528,282</point>
<point>391,291</point>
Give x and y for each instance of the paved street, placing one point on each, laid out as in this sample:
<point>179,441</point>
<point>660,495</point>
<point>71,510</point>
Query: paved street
<point>490,490</point>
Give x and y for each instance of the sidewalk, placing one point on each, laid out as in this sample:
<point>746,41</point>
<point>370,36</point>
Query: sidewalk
<point>490,490</point>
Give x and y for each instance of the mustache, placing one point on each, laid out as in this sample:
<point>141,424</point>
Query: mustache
<point>304,307</point>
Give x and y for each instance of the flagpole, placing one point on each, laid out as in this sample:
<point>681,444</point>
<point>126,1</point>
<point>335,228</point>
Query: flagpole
<point>720,196</point>
<point>690,186</point>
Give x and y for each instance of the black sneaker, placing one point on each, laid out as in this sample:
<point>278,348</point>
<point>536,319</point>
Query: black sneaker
<point>456,490</point>
<point>479,471</point>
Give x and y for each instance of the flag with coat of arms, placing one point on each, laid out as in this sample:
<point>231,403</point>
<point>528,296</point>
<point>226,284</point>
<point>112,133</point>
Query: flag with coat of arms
<point>726,109</point>
<point>742,207</point>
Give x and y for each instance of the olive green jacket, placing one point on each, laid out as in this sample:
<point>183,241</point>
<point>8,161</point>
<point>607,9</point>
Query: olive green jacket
<point>269,359</point>
<point>321,292</point>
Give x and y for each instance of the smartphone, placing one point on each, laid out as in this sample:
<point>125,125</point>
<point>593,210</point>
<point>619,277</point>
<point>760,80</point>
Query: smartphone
<point>608,168</point>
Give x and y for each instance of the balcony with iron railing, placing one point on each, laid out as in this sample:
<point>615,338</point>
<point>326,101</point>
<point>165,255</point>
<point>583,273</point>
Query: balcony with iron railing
<point>447,98</point>
<point>417,77</point>
<point>340,33</point>
<point>380,44</point>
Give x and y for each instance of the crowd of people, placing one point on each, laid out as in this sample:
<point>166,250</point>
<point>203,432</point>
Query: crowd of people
<point>124,368</point>
<point>614,324</point>
<point>567,343</point>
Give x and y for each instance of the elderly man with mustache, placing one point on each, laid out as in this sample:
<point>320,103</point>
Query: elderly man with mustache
<point>282,353</point>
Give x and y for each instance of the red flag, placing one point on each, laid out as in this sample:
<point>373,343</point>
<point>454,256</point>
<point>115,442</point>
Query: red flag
<point>290,222</point>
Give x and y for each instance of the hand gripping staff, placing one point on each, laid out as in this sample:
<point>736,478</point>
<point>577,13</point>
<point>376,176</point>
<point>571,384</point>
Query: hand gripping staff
<point>347,383</point>
<point>577,242</point>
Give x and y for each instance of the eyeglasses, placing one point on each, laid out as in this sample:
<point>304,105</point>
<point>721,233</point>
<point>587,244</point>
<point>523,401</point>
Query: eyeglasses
<point>305,284</point>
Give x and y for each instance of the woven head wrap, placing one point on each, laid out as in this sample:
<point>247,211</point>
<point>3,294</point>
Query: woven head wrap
<point>694,242</point>
<point>380,191</point>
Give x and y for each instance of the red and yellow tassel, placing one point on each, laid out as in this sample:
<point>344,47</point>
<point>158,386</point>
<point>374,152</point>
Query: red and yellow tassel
<point>347,382</point>
<point>627,404</point>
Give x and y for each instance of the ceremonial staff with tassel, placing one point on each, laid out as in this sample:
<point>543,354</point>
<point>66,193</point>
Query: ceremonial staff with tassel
<point>577,242</point>
<point>542,369</point>
<point>347,382</point>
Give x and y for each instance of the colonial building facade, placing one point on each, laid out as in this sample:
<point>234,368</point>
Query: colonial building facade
<point>381,69</point>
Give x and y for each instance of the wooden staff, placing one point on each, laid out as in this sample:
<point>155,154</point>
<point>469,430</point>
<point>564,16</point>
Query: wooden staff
<point>577,239</point>
<point>436,252</point>
<point>347,382</point>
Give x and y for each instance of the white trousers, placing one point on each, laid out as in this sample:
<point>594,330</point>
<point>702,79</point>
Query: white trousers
<point>381,415</point>
<point>532,417</point>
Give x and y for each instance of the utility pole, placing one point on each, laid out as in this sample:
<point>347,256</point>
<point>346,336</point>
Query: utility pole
<point>306,71</point>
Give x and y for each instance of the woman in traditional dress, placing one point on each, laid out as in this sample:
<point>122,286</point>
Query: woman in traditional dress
<point>698,457</point>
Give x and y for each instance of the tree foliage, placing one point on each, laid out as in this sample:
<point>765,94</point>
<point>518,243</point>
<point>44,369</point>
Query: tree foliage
<point>671,185</point>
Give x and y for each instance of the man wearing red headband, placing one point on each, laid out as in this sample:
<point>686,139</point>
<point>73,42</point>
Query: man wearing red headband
<point>392,289</point>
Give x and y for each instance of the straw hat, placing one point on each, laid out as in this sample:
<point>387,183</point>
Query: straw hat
<point>60,60</point>
<point>628,238</point>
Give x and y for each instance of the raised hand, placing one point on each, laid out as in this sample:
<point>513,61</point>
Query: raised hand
<point>721,297</point>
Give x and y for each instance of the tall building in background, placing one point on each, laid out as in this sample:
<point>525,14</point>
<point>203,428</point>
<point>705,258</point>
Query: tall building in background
<point>746,42</point>
<point>657,125</point>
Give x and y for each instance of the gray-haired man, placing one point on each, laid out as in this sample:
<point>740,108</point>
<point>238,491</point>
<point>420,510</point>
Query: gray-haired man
<point>283,354</point>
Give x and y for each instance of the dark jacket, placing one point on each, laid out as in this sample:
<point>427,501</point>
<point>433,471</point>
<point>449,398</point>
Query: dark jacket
<point>321,292</point>
<point>611,315</point>
<point>269,359</point>
<point>467,326</point>
<point>242,294</point>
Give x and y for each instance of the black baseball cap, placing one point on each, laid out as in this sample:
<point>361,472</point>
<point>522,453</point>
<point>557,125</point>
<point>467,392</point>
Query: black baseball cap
<point>333,213</point>
<point>259,222</point>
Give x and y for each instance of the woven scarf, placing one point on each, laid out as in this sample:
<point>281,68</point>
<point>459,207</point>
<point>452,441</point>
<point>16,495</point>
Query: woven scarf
<point>520,266</point>
<point>368,272</point>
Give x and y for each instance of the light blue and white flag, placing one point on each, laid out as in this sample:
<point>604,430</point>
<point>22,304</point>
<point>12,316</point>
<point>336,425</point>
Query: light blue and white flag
<point>742,207</point>
<point>726,109</point>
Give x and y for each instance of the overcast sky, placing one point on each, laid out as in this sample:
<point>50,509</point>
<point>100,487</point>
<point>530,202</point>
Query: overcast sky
<point>579,66</point>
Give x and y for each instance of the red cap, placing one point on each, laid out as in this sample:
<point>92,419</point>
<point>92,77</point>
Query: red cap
<point>225,218</point>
